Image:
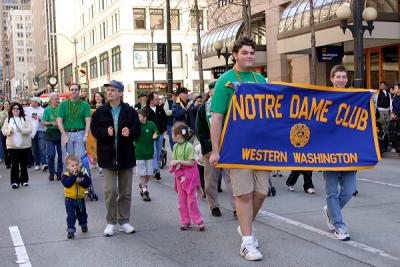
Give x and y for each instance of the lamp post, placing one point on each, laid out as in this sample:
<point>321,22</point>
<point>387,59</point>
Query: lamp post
<point>357,29</point>
<point>74,42</point>
<point>218,46</point>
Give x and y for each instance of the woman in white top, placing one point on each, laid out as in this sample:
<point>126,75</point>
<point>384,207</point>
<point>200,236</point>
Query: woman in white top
<point>17,128</point>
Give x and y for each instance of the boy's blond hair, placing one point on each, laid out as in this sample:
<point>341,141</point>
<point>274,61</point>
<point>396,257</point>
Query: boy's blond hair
<point>72,158</point>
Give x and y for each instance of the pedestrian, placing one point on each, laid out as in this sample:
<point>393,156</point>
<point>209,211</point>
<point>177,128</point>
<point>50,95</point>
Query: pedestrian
<point>180,107</point>
<point>187,180</point>
<point>35,111</point>
<point>384,103</point>
<point>170,118</point>
<point>3,117</point>
<point>157,115</point>
<point>339,185</point>
<point>115,125</point>
<point>141,101</point>
<point>73,120</point>
<point>250,187</point>
<point>144,151</point>
<point>17,128</point>
<point>193,109</point>
<point>396,99</point>
<point>53,137</point>
<point>98,100</point>
<point>212,174</point>
<point>75,181</point>
<point>308,184</point>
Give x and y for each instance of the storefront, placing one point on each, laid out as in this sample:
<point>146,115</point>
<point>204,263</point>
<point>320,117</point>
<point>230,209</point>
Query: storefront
<point>161,87</point>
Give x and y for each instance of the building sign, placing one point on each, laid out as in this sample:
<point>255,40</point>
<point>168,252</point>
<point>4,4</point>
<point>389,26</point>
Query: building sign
<point>217,72</point>
<point>145,86</point>
<point>330,53</point>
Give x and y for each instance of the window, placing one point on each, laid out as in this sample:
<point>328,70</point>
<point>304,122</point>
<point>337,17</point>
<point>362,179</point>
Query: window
<point>29,50</point>
<point>20,26</point>
<point>116,59</point>
<point>66,74</point>
<point>20,34</point>
<point>175,19</point>
<point>29,59</point>
<point>84,66</point>
<point>157,19</point>
<point>20,51</point>
<point>103,30</point>
<point>104,64</point>
<point>93,68</point>
<point>28,35</point>
<point>193,23</point>
<point>139,18</point>
<point>21,59</point>
<point>176,55</point>
<point>141,55</point>
<point>115,22</point>
<point>20,42</point>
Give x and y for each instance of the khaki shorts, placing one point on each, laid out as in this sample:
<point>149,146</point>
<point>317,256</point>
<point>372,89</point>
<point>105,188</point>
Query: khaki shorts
<point>245,181</point>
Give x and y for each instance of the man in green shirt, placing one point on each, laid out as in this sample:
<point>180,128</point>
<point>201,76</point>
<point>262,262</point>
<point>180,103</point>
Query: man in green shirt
<point>53,137</point>
<point>250,187</point>
<point>73,120</point>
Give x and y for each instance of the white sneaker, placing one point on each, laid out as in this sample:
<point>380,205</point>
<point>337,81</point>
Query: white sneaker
<point>45,167</point>
<point>311,190</point>
<point>328,219</point>
<point>250,252</point>
<point>36,168</point>
<point>342,234</point>
<point>291,188</point>
<point>127,228</point>
<point>109,231</point>
<point>25,184</point>
<point>256,244</point>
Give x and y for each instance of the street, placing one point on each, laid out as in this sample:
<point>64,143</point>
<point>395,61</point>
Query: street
<point>291,227</point>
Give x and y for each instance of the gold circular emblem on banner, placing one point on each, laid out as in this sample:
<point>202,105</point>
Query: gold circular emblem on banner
<point>299,135</point>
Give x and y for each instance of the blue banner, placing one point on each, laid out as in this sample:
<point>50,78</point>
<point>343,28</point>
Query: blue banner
<point>299,127</point>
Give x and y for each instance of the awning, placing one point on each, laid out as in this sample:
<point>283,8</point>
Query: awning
<point>226,34</point>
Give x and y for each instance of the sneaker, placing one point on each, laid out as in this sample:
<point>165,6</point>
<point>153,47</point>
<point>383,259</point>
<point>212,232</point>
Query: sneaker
<point>202,227</point>
<point>14,186</point>
<point>51,177</point>
<point>291,188</point>
<point>310,190</point>
<point>216,212</point>
<point>45,167</point>
<point>279,173</point>
<point>36,168</point>
<point>250,252</point>
<point>328,219</point>
<point>342,234</point>
<point>146,196</point>
<point>273,174</point>
<point>141,190</point>
<point>256,244</point>
<point>84,228</point>
<point>355,193</point>
<point>25,184</point>
<point>220,190</point>
<point>109,231</point>
<point>185,227</point>
<point>157,175</point>
<point>127,228</point>
<point>70,235</point>
<point>59,178</point>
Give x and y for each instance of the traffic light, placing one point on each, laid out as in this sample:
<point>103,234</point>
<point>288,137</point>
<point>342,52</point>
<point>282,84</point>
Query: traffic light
<point>161,53</point>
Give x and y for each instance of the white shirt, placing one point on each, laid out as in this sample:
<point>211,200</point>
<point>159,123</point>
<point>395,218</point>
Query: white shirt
<point>39,111</point>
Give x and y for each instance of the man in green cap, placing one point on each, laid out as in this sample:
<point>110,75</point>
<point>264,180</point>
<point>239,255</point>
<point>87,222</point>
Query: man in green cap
<point>142,101</point>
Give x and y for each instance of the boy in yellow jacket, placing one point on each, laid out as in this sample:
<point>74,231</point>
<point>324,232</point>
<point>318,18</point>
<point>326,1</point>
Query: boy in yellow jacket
<point>75,181</point>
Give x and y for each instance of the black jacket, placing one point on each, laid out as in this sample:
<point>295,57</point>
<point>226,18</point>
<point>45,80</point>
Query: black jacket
<point>108,156</point>
<point>179,113</point>
<point>159,118</point>
<point>203,130</point>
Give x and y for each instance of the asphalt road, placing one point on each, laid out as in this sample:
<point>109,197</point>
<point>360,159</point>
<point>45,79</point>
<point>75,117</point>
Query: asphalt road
<point>291,227</point>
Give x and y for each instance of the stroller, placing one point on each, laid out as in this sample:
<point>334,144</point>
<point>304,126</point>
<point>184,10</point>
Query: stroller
<point>163,157</point>
<point>86,165</point>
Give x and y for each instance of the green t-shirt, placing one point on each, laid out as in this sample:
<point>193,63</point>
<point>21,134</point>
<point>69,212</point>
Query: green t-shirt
<point>183,151</point>
<point>144,143</point>
<point>50,115</point>
<point>222,95</point>
<point>74,114</point>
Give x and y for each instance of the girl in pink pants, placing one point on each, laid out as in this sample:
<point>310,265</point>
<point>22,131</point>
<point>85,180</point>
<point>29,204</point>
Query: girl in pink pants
<point>187,178</point>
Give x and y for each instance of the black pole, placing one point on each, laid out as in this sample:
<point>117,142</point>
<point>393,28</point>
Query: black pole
<point>358,35</point>
<point>169,49</point>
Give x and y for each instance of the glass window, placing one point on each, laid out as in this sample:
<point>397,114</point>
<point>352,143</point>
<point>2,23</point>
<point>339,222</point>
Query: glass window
<point>175,19</point>
<point>387,6</point>
<point>67,74</point>
<point>176,55</point>
<point>93,68</point>
<point>157,19</point>
<point>104,64</point>
<point>116,59</point>
<point>84,66</point>
<point>140,56</point>
<point>139,18</point>
<point>193,23</point>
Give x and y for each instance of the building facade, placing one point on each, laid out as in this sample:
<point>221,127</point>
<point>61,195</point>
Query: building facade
<point>20,45</point>
<point>118,40</point>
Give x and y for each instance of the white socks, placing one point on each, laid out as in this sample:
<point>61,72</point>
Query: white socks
<point>247,239</point>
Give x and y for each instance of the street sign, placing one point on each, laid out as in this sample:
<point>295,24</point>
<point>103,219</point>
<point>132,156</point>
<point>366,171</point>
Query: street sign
<point>332,53</point>
<point>161,53</point>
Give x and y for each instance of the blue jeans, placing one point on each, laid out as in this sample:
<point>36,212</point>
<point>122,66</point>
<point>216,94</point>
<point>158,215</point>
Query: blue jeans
<point>171,141</point>
<point>52,148</point>
<point>339,187</point>
<point>76,209</point>
<point>75,145</point>
<point>157,152</point>
<point>39,148</point>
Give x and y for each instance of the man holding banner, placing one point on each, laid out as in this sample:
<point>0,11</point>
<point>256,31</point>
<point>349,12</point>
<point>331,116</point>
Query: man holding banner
<point>250,187</point>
